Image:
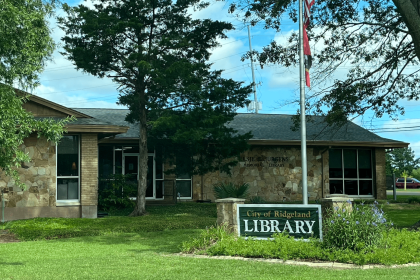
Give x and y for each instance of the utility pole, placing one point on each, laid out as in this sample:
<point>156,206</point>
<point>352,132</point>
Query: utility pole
<point>253,74</point>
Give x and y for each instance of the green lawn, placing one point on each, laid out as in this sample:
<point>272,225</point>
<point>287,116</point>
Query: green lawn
<point>403,215</point>
<point>148,256</point>
<point>142,248</point>
<point>159,218</point>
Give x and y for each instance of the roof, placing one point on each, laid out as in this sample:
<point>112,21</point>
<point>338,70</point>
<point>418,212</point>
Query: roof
<point>115,117</point>
<point>270,129</point>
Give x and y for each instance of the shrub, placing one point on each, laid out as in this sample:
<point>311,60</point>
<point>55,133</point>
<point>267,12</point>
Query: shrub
<point>413,199</point>
<point>225,190</point>
<point>115,191</point>
<point>362,228</point>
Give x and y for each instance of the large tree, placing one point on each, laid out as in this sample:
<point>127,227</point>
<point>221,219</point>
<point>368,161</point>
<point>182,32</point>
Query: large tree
<point>158,55</point>
<point>378,42</point>
<point>400,160</point>
<point>25,46</point>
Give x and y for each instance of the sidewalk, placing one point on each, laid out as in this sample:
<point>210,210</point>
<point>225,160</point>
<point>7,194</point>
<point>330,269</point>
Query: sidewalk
<point>413,192</point>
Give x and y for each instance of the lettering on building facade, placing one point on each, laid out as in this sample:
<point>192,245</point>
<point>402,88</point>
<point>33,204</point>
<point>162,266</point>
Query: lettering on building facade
<point>263,161</point>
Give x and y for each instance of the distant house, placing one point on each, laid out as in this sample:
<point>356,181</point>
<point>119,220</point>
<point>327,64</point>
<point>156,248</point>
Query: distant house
<point>62,180</point>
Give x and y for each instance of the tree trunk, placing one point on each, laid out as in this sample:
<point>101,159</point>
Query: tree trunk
<point>410,12</point>
<point>140,208</point>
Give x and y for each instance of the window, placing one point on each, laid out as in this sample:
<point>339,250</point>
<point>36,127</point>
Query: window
<point>183,186</point>
<point>68,168</point>
<point>351,172</point>
<point>183,180</point>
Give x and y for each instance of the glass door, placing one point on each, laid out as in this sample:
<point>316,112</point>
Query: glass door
<point>154,189</point>
<point>131,167</point>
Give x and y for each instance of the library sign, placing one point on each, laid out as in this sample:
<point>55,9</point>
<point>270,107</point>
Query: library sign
<point>261,221</point>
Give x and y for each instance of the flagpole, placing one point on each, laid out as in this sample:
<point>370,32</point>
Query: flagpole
<point>302,108</point>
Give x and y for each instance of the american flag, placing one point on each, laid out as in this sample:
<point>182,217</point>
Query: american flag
<point>306,49</point>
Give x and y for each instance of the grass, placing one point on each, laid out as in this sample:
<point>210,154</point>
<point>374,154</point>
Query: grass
<point>403,215</point>
<point>159,218</point>
<point>401,198</point>
<point>119,247</point>
<point>146,255</point>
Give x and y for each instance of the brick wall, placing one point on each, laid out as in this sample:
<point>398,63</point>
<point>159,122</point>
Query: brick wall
<point>89,169</point>
<point>380,173</point>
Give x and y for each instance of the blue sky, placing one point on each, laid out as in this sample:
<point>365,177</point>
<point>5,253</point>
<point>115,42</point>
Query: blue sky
<point>277,86</point>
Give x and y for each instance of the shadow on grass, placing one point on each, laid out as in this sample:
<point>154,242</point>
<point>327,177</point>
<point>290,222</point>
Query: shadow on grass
<point>153,242</point>
<point>11,263</point>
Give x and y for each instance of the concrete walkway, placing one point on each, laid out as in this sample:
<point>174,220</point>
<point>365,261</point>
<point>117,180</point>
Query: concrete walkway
<point>388,192</point>
<point>321,264</point>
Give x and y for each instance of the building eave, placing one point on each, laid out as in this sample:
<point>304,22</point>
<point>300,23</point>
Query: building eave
<point>330,143</point>
<point>97,128</point>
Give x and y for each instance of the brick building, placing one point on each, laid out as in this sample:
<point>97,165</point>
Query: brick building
<point>62,180</point>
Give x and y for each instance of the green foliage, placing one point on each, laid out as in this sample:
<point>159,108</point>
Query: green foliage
<point>25,40</point>
<point>360,229</point>
<point>25,46</point>
<point>225,190</point>
<point>114,192</point>
<point>416,173</point>
<point>207,238</point>
<point>158,55</point>
<point>397,247</point>
<point>400,160</point>
<point>414,200</point>
<point>16,125</point>
<point>377,78</point>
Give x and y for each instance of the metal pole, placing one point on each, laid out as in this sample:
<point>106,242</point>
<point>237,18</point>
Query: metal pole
<point>394,183</point>
<point>253,74</point>
<point>2,206</point>
<point>302,108</point>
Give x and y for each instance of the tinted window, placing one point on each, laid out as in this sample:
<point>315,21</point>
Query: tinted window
<point>68,156</point>
<point>336,170</point>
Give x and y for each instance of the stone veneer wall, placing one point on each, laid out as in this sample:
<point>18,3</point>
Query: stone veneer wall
<point>39,176</point>
<point>272,172</point>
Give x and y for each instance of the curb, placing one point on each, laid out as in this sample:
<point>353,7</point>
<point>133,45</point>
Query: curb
<point>320,264</point>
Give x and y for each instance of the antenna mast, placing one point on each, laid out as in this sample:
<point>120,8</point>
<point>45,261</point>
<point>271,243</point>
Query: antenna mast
<point>256,104</point>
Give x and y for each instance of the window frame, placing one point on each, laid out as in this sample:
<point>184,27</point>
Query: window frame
<point>69,202</point>
<point>358,179</point>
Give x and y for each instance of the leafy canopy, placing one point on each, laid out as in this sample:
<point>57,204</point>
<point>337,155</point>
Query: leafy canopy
<point>25,46</point>
<point>400,160</point>
<point>378,42</point>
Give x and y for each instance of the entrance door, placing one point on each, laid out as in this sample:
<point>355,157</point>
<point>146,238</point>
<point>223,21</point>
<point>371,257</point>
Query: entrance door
<point>131,167</point>
<point>131,164</point>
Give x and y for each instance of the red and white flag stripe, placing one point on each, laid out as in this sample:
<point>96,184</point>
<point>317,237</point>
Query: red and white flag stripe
<point>306,49</point>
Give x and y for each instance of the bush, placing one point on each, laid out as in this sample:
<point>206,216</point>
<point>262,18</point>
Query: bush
<point>397,247</point>
<point>362,228</point>
<point>225,190</point>
<point>114,192</point>
<point>413,199</point>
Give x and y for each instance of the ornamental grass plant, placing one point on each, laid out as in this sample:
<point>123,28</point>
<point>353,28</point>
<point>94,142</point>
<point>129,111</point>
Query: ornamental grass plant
<point>359,229</point>
<point>225,190</point>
